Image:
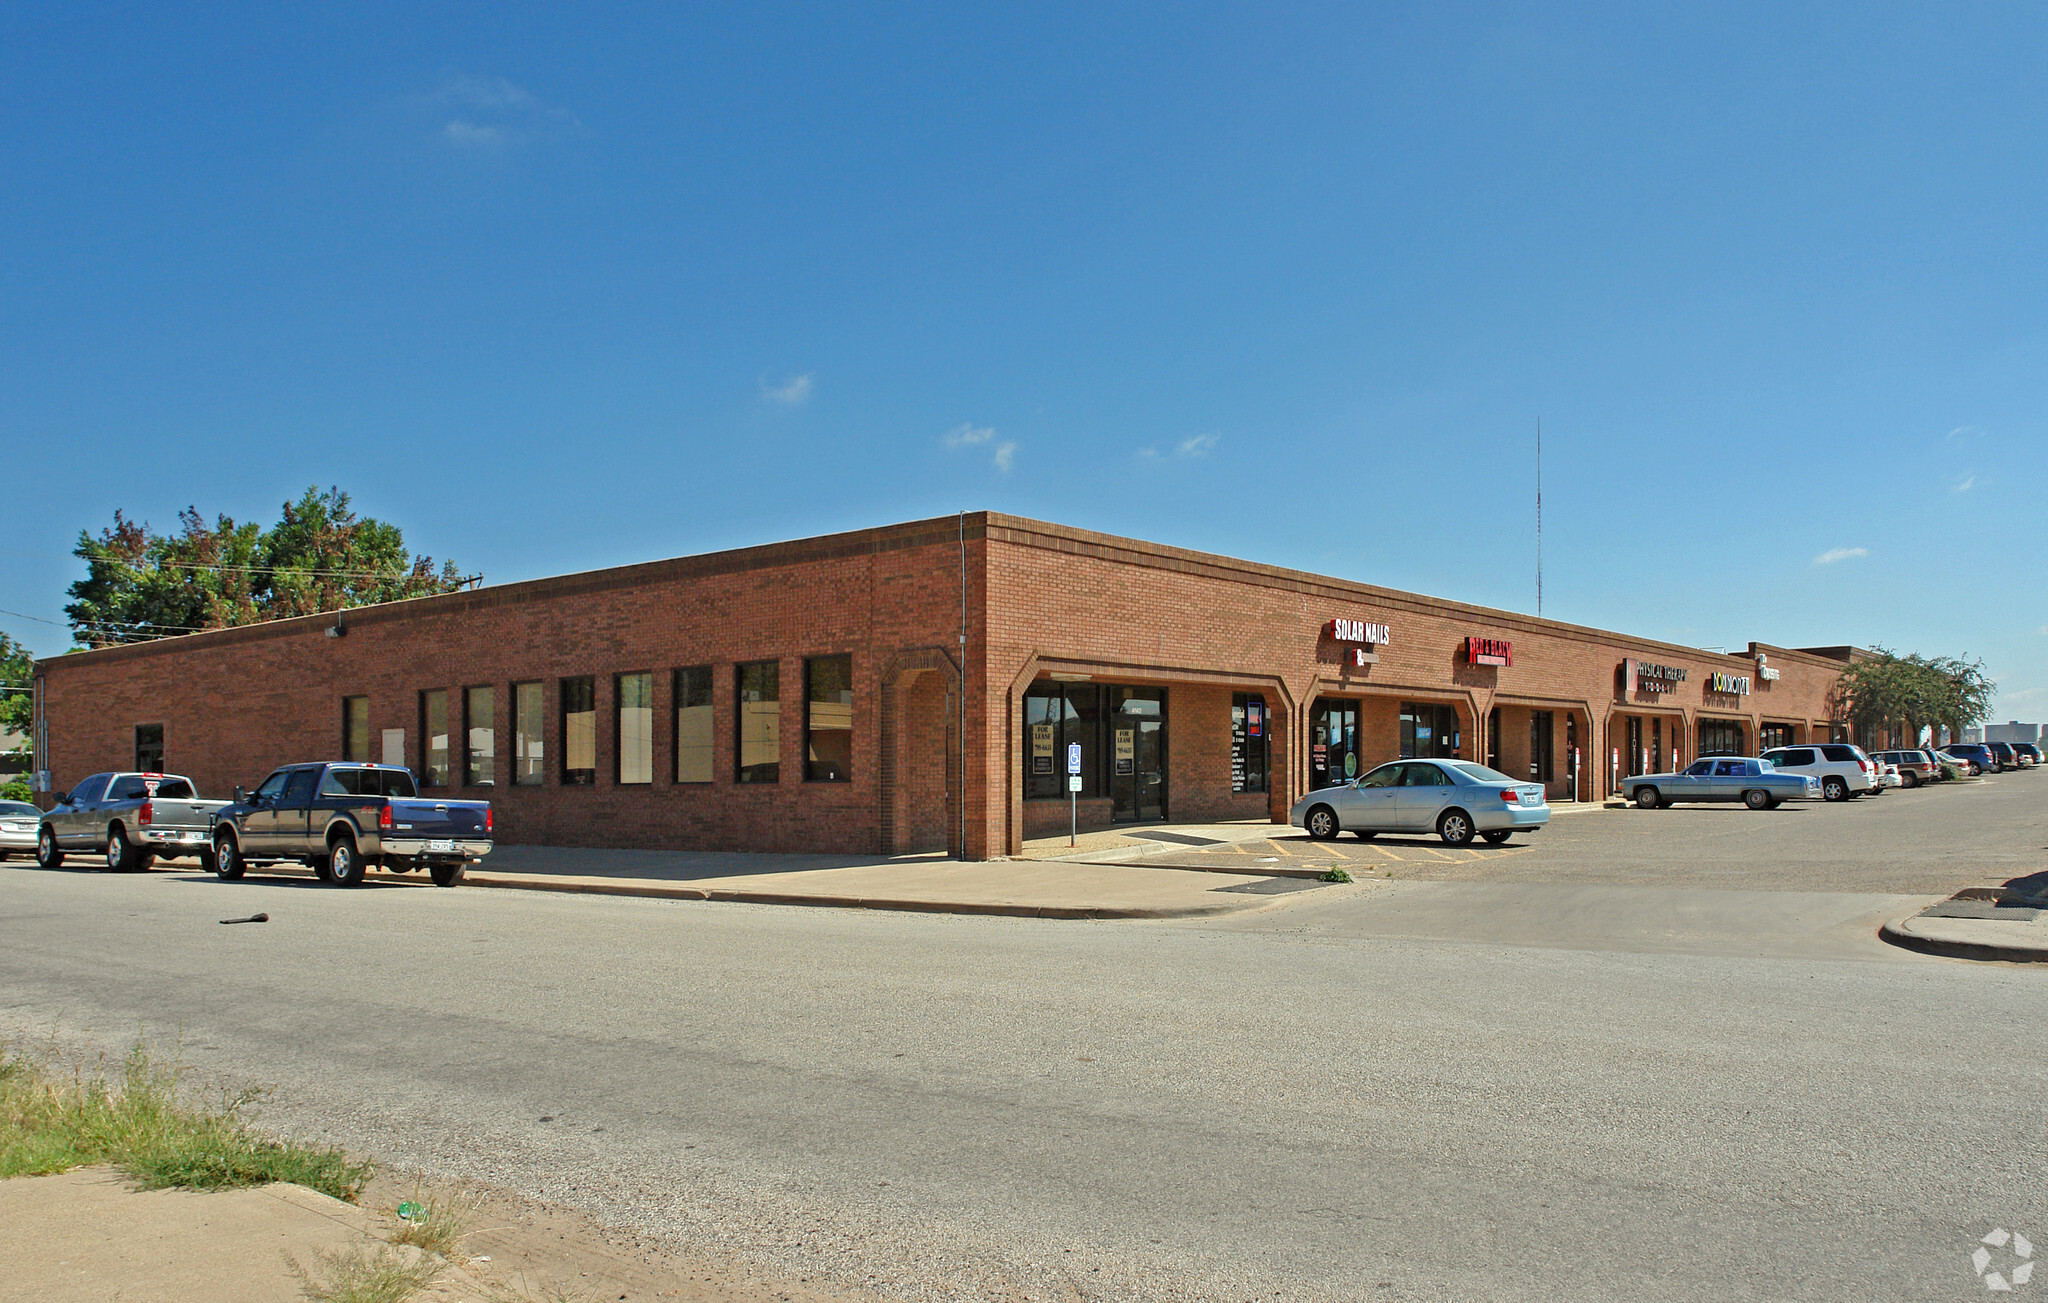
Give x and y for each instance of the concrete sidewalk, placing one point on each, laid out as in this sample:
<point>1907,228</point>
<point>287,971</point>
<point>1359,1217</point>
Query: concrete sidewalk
<point>926,884</point>
<point>2008,923</point>
<point>88,1236</point>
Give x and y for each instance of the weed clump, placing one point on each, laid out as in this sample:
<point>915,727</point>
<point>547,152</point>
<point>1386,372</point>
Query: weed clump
<point>138,1119</point>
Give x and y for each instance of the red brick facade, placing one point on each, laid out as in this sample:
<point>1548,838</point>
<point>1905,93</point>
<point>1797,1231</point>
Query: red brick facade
<point>1041,602</point>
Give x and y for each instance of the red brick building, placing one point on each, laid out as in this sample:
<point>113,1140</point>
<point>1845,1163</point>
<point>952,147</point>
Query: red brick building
<point>830,693</point>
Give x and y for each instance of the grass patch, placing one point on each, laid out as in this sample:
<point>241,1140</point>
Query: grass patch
<point>141,1120</point>
<point>1337,875</point>
<point>364,1274</point>
<point>437,1221</point>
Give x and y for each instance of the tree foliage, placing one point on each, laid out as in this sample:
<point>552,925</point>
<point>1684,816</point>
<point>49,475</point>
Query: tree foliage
<point>320,556</point>
<point>1908,693</point>
<point>17,709</point>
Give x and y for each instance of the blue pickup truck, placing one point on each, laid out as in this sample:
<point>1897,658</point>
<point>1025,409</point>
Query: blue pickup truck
<point>341,818</point>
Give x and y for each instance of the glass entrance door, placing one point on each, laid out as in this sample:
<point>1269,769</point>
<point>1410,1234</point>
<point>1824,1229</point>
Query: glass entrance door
<point>1332,743</point>
<point>1137,735</point>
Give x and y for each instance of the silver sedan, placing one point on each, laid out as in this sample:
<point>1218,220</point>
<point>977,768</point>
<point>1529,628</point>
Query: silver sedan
<point>1452,798</point>
<point>18,821</point>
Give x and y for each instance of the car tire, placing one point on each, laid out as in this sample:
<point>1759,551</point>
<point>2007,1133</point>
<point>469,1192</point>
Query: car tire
<point>1455,827</point>
<point>1497,836</point>
<point>1757,798</point>
<point>1648,798</point>
<point>48,855</point>
<point>1834,789</point>
<point>344,862</point>
<point>447,875</point>
<point>1321,824</point>
<point>227,859</point>
<point>1909,780</point>
<point>122,857</point>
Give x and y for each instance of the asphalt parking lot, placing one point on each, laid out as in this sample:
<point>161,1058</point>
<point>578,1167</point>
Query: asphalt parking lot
<point>1927,841</point>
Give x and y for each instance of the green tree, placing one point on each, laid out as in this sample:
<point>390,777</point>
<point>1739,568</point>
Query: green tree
<point>17,710</point>
<point>320,556</point>
<point>1905,694</point>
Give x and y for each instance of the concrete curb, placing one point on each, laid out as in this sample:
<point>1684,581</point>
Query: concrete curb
<point>1911,933</point>
<point>642,887</point>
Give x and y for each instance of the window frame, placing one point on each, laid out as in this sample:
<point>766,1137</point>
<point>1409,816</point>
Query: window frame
<point>676,708</point>
<point>426,770</point>
<point>469,770</point>
<point>348,704</point>
<point>580,776</point>
<point>767,772</point>
<point>158,767</point>
<point>1241,741</point>
<point>619,778</point>
<point>535,728</point>
<point>809,728</point>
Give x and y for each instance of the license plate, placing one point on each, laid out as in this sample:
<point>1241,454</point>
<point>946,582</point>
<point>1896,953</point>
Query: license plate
<point>442,845</point>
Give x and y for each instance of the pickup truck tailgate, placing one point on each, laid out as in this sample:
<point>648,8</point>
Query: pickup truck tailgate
<point>183,814</point>
<point>421,818</point>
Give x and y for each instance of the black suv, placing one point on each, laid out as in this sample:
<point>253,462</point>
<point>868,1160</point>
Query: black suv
<point>2003,753</point>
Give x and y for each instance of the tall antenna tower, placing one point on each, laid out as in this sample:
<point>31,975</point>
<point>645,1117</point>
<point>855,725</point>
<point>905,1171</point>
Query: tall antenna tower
<point>1539,517</point>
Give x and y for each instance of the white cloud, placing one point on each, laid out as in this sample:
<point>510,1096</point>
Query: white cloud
<point>1960,431</point>
<point>1199,446</point>
<point>1965,484</point>
<point>490,114</point>
<point>1835,554</point>
<point>793,392</point>
<point>969,435</point>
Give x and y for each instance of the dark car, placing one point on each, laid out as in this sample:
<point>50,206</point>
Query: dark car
<point>1979,755</point>
<point>340,818</point>
<point>2003,753</point>
<point>2028,750</point>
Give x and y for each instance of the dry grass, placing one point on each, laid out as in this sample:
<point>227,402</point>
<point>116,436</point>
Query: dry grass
<point>365,1274</point>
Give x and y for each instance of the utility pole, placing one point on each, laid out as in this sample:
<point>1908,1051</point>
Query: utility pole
<point>1539,517</point>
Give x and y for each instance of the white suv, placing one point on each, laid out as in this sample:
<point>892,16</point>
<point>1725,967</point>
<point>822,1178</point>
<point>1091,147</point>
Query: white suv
<point>1844,771</point>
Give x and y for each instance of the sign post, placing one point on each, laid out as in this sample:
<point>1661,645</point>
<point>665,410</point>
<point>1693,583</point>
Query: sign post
<point>1073,792</point>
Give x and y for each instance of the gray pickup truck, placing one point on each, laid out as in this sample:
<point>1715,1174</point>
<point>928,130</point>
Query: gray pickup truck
<point>130,819</point>
<point>341,818</point>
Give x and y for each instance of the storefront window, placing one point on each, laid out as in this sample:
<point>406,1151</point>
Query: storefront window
<point>1772,736</point>
<point>434,738</point>
<point>355,728</point>
<point>1428,731</point>
<point>579,732</point>
<point>758,702</point>
<point>526,734</point>
<point>828,719</point>
<point>1541,738</point>
<point>1249,744</point>
<point>1333,755</point>
<point>693,725</point>
<point>1057,715</point>
<point>149,748</point>
<point>634,697</point>
<point>1720,737</point>
<point>480,766</point>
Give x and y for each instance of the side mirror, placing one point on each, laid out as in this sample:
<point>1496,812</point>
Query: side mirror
<point>63,798</point>
<point>241,797</point>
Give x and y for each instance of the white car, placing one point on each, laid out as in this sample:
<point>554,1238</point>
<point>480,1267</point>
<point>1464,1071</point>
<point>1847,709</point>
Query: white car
<point>1844,771</point>
<point>18,821</point>
<point>1891,776</point>
<point>1452,798</point>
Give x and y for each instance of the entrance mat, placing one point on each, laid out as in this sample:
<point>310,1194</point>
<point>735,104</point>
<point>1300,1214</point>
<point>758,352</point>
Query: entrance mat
<point>1987,909</point>
<point>1272,886</point>
<point>1177,838</point>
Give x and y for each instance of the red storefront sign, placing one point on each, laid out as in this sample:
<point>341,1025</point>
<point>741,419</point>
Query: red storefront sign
<point>1489,651</point>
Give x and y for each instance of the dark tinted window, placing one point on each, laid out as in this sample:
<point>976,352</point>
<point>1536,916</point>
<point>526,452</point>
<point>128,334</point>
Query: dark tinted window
<point>89,790</point>
<point>1839,754</point>
<point>274,785</point>
<point>149,748</point>
<point>344,782</point>
<point>173,788</point>
<point>298,789</point>
<point>128,787</point>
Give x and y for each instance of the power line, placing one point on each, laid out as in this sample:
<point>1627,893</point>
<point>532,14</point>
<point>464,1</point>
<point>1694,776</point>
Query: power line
<point>252,570</point>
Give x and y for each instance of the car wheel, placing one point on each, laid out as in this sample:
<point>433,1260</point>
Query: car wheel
<point>344,864</point>
<point>1909,780</point>
<point>1497,836</point>
<point>227,859</point>
<point>121,857</point>
<point>1321,823</point>
<point>1834,789</point>
<point>47,854</point>
<point>447,875</point>
<point>1757,799</point>
<point>1455,827</point>
<point>1647,798</point>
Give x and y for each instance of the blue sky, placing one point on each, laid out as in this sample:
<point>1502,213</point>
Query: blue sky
<point>556,287</point>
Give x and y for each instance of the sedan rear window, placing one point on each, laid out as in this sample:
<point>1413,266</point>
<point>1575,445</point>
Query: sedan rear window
<point>1480,772</point>
<point>18,810</point>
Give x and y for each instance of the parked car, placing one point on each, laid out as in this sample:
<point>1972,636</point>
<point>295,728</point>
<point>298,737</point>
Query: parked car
<point>1455,798</point>
<point>18,821</point>
<point>1752,781</point>
<point>338,819</point>
<point>1914,767</point>
<point>1888,775</point>
<point>130,818</point>
<point>2003,753</point>
<point>2029,752</point>
<point>1844,771</point>
<point>1982,761</point>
